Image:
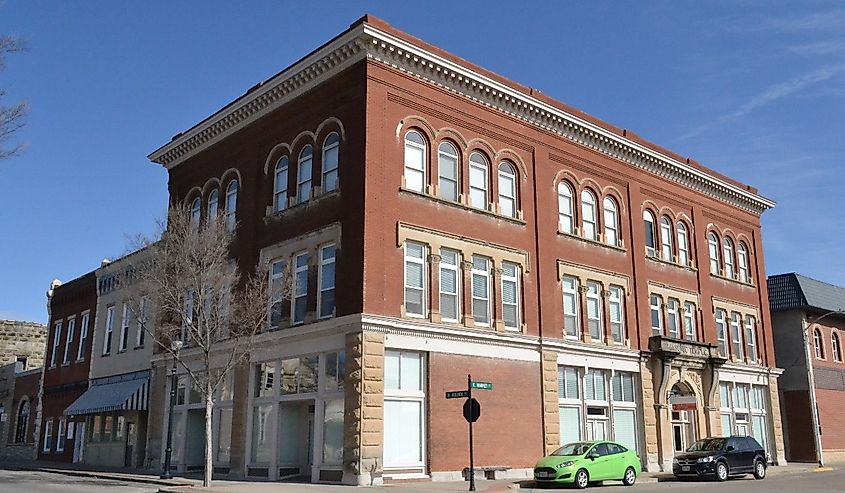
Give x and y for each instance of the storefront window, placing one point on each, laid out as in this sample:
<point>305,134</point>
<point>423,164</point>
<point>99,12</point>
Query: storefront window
<point>96,429</point>
<point>108,428</point>
<point>121,422</point>
<point>261,428</point>
<point>224,435</point>
<point>335,370</point>
<point>333,432</point>
<point>265,376</point>
<point>299,375</point>
<point>404,402</point>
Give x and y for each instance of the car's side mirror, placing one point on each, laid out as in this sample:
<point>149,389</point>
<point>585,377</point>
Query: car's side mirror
<point>592,455</point>
<point>730,448</point>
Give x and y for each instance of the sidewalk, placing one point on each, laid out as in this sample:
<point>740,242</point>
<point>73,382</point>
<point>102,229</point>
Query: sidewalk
<point>98,472</point>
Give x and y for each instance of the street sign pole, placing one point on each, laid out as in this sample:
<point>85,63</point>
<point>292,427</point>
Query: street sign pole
<point>471,461</point>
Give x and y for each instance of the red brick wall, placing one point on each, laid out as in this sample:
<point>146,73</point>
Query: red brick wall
<point>831,418</point>
<point>53,406</point>
<point>71,299</point>
<point>509,431</point>
<point>796,405</point>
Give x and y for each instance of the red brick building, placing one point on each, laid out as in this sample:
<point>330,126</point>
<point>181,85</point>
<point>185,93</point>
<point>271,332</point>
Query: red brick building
<point>72,308</point>
<point>441,221</point>
<point>808,319</point>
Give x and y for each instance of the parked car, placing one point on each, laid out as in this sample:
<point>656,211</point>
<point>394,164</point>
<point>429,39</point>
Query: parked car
<point>721,457</point>
<point>582,463</point>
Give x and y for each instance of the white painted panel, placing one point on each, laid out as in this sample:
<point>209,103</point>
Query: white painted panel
<point>486,350</point>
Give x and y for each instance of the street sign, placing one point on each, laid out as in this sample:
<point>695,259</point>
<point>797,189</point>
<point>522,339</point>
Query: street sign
<point>457,394</point>
<point>472,410</point>
<point>481,385</point>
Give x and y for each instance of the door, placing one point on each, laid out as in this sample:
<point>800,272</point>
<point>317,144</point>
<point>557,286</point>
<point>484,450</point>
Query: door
<point>602,467</point>
<point>79,442</point>
<point>733,454</point>
<point>129,455</point>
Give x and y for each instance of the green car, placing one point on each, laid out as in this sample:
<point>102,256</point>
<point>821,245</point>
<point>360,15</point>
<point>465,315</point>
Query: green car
<point>581,463</point>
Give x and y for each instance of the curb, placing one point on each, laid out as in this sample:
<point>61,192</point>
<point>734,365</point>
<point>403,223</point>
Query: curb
<point>114,477</point>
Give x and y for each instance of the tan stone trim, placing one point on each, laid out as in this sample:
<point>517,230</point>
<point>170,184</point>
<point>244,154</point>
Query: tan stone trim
<point>551,412</point>
<point>467,246</point>
<point>682,295</point>
<point>584,273</point>
<point>734,306</point>
<point>309,241</point>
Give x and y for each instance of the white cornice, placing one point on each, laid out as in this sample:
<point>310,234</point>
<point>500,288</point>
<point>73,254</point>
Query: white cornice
<point>375,44</point>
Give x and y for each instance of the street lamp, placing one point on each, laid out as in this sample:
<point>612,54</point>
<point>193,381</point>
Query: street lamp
<point>811,381</point>
<point>175,346</point>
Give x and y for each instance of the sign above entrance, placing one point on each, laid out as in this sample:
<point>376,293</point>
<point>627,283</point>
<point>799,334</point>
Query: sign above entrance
<point>676,347</point>
<point>683,402</point>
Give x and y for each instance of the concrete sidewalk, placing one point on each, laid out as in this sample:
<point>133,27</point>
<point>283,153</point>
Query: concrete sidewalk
<point>98,472</point>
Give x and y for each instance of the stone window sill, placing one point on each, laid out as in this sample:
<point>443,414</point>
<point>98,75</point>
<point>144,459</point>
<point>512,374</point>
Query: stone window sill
<point>592,242</point>
<point>468,208</point>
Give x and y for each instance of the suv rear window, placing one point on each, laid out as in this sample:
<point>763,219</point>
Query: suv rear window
<point>751,444</point>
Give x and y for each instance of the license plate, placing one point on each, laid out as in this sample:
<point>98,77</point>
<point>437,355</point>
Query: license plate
<point>542,474</point>
<point>685,468</point>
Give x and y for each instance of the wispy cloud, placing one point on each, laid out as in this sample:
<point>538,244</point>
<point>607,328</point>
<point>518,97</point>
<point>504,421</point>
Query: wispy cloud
<point>772,94</point>
<point>819,48</point>
<point>833,20</point>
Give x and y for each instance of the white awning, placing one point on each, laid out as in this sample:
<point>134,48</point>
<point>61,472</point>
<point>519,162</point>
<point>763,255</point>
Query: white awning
<point>131,395</point>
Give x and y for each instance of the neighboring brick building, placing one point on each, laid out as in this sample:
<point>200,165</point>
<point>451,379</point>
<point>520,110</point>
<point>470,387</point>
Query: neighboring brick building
<point>21,357</point>
<point>72,308</point>
<point>808,319</point>
<point>441,220</point>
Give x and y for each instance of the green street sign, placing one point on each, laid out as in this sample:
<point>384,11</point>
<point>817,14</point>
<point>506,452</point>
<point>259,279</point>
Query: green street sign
<point>482,385</point>
<point>457,394</point>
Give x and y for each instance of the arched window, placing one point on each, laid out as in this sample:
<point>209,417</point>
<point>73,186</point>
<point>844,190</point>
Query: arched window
<point>729,257</point>
<point>650,235</point>
<point>611,222</point>
<point>195,212</point>
<point>478,186</point>
<point>280,184</point>
<point>713,247</point>
<point>818,343</point>
<point>836,346</point>
<point>22,422</point>
<point>742,261</point>
<point>303,175</point>
<point>331,148</point>
<point>588,214</point>
<point>415,152</point>
<point>507,189</point>
<point>566,215</point>
<point>213,200</point>
<point>231,205</point>
<point>447,168</point>
<point>666,239</point>
<point>683,244</point>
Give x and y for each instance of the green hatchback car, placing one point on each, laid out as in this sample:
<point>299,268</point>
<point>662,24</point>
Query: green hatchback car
<point>582,463</point>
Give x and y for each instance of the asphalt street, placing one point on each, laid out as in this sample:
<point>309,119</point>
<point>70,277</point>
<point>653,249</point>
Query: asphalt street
<point>37,482</point>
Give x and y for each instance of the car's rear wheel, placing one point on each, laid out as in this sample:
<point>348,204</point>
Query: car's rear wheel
<point>721,471</point>
<point>582,479</point>
<point>759,469</point>
<point>630,477</point>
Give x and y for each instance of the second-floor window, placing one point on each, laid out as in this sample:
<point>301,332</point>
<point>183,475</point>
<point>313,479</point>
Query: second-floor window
<point>195,212</point>
<point>300,288</point>
<point>331,146</point>
<point>588,215</point>
<point>109,330</point>
<point>566,214</point>
<point>326,299</point>
<point>478,186</point>
<point>650,235</point>
<point>447,168</point>
<point>722,332</point>
<point>689,321</point>
<point>71,328</point>
<point>611,222</point>
<point>450,280</point>
<point>742,262</point>
<point>303,175</point>
<point>143,318</point>
<point>836,346</point>
<point>231,205</point>
<point>751,338</point>
<point>736,335</point>
<point>280,185</point>
<point>819,345</point>
<point>570,307</point>
<point>510,295</point>
<point>277,291</point>
<point>655,304</point>
<point>617,317</point>
<point>415,267</point>
<point>666,239</point>
<point>683,244</point>
<point>415,152</point>
<point>729,258</point>
<point>57,337</point>
<point>594,310</point>
<point>83,336</point>
<point>672,318</point>
<point>481,290</point>
<point>124,326</point>
<point>507,189</point>
<point>213,202</point>
<point>713,248</point>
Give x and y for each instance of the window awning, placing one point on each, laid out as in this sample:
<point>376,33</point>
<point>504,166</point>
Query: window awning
<point>131,395</point>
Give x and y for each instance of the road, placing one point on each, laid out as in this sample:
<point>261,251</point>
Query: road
<point>805,481</point>
<point>43,482</point>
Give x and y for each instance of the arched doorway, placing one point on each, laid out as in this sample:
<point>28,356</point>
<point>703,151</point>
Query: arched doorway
<point>683,406</point>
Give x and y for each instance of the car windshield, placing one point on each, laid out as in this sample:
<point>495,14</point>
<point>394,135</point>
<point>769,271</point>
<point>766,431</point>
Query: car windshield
<point>577,448</point>
<point>707,445</point>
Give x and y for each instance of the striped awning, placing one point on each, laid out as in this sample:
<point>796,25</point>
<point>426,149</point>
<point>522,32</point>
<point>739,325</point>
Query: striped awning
<point>131,395</point>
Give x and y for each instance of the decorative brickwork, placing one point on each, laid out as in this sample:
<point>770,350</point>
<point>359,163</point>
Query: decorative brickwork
<point>551,413</point>
<point>364,408</point>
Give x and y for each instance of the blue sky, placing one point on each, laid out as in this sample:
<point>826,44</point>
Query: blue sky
<point>755,90</point>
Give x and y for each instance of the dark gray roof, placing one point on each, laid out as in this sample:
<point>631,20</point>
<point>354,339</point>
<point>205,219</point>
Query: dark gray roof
<point>793,291</point>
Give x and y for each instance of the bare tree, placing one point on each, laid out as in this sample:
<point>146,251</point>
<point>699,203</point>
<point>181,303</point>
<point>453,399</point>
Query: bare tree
<point>190,289</point>
<point>11,117</point>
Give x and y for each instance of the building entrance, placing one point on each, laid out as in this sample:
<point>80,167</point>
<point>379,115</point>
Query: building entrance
<point>195,440</point>
<point>296,439</point>
<point>683,406</point>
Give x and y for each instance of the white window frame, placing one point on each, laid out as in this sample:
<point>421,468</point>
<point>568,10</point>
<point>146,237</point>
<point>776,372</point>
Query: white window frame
<point>566,218</point>
<point>296,288</point>
<point>280,184</point>
<point>594,374</point>
<point>71,328</point>
<point>83,336</point>
<point>595,310</point>
<point>683,244</point>
<point>751,338</point>
<point>485,273</point>
<point>513,279</point>
<point>143,318</point>
<point>196,211</point>
<point>673,318</point>
<point>617,324</point>
<point>689,321</point>
<point>124,328</point>
<point>61,430</point>
<point>109,330</point>
<point>589,215</point>
<point>713,249</point>
<point>330,169</point>
<point>570,289</point>
<point>666,249</point>
<point>650,233</point>
<point>479,163</point>
<point>737,346</point>
<point>422,262</point>
<point>321,282</point>
<point>507,195</point>
<point>305,162</point>
<point>447,156</point>
<point>611,221</point>
<point>655,303</point>
<point>48,436</point>
<point>412,395</point>
<point>231,205</point>
<point>836,346</point>
<point>818,343</point>
<point>742,262</point>
<point>729,257</point>
<point>722,331</point>
<point>57,337</point>
<point>277,276</point>
<point>455,269</point>
<point>213,204</point>
<point>412,147</point>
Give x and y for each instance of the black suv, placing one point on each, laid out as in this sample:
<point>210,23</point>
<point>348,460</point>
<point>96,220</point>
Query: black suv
<point>721,457</point>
